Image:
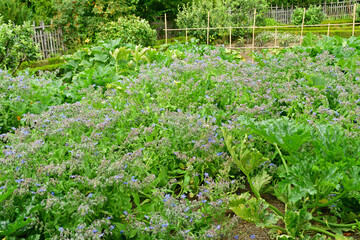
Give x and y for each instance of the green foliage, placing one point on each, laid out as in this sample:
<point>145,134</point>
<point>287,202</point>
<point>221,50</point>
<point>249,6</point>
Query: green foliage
<point>16,45</point>
<point>313,15</point>
<point>271,22</point>
<point>342,48</point>
<point>25,94</point>
<point>138,143</point>
<point>81,19</point>
<point>41,63</point>
<point>222,14</point>
<point>282,132</point>
<point>19,11</point>
<point>253,210</point>
<point>43,10</point>
<point>247,160</point>
<point>129,29</point>
<point>307,179</point>
<point>7,229</point>
<point>283,39</point>
<point>15,11</point>
<point>46,65</point>
<point>57,68</point>
<point>152,9</point>
<point>263,38</point>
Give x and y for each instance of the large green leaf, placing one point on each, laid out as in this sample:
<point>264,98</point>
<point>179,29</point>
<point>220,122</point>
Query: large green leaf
<point>252,210</point>
<point>289,135</point>
<point>246,159</point>
<point>7,194</point>
<point>296,222</point>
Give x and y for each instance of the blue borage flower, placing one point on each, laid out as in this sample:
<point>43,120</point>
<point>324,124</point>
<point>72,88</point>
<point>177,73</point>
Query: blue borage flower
<point>167,197</point>
<point>19,180</point>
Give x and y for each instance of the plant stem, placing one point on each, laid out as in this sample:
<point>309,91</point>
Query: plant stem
<point>282,158</point>
<point>285,165</point>
<point>311,228</point>
<point>334,224</point>
<point>329,202</point>
<point>257,195</point>
<point>277,211</point>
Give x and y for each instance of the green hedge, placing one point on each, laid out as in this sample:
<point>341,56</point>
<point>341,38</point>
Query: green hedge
<point>337,21</point>
<point>342,31</point>
<point>49,68</point>
<point>41,63</point>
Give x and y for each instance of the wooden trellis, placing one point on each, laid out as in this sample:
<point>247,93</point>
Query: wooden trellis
<point>254,27</point>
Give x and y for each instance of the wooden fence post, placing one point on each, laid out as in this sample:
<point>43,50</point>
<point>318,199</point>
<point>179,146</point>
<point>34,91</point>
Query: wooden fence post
<point>328,33</point>
<point>353,30</point>
<point>302,27</point>
<point>275,36</point>
<point>230,37</point>
<point>43,38</point>
<point>166,36</point>
<point>253,40</point>
<point>208,29</point>
<point>186,33</point>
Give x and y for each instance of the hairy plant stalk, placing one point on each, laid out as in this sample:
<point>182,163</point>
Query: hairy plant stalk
<point>320,230</point>
<point>257,195</point>
<point>329,202</point>
<point>334,224</point>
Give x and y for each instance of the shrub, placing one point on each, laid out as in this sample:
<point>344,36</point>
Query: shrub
<point>130,29</point>
<point>15,11</point>
<point>313,15</point>
<point>357,14</point>
<point>16,45</point>
<point>80,19</point>
<point>222,14</point>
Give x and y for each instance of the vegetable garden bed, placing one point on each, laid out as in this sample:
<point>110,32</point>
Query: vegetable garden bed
<point>190,142</point>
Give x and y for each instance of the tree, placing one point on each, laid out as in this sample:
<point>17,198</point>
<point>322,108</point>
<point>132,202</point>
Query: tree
<point>150,9</point>
<point>16,45</point>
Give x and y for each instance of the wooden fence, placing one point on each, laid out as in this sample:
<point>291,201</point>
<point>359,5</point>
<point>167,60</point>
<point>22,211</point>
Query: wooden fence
<point>49,39</point>
<point>333,10</point>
